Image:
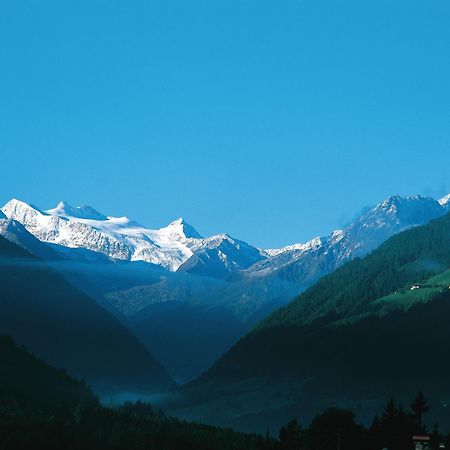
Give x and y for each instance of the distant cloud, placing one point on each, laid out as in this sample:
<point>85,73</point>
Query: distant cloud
<point>346,219</point>
<point>436,191</point>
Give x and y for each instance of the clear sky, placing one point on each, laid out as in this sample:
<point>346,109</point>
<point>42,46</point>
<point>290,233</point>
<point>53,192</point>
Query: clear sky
<point>274,121</point>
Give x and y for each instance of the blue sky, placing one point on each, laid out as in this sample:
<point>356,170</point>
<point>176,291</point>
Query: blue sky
<point>272,121</point>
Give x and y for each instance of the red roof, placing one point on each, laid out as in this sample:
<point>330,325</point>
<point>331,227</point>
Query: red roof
<point>421,438</point>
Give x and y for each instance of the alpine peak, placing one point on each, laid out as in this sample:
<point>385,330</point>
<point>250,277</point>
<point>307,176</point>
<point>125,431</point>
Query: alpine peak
<point>63,209</point>
<point>179,244</point>
<point>183,229</point>
<point>19,209</point>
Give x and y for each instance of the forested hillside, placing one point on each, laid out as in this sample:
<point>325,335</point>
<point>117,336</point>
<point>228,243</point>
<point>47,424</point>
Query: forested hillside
<point>23,374</point>
<point>42,407</point>
<point>60,324</point>
<point>407,258</point>
<point>345,340</point>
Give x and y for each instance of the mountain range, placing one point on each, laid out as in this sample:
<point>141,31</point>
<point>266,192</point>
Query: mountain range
<point>186,297</point>
<point>374,327</point>
<point>179,247</point>
<point>120,238</point>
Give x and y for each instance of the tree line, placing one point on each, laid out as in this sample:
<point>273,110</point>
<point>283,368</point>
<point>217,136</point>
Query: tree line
<point>137,426</point>
<point>337,429</point>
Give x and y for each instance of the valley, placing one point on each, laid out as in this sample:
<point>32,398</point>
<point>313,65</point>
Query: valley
<point>242,352</point>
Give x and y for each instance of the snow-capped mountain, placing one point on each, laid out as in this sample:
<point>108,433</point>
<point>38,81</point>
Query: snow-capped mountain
<point>249,295</point>
<point>307,262</point>
<point>15,232</point>
<point>120,238</point>
<point>162,308</point>
<point>179,247</point>
<point>220,255</point>
<point>116,237</point>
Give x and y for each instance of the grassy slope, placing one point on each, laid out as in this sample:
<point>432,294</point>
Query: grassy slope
<point>405,298</point>
<point>416,254</point>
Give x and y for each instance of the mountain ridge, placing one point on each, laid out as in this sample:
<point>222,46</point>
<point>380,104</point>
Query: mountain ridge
<point>118,237</point>
<point>335,342</point>
<point>23,373</point>
<point>178,246</point>
<point>225,282</point>
<point>65,327</point>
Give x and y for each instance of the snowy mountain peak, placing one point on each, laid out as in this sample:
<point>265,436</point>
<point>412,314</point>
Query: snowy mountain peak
<point>392,203</point>
<point>15,202</point>
<point>391,200</point>
<point>181,229</point>
<point>307,262</point>
<point>180,246</point>
<point>120,238</point>
<point>445,201</point>
<point>21,211</point>
<point>413,210</point>
<point>179,221</point>
<point>63,209</point>
<point>389,205</point>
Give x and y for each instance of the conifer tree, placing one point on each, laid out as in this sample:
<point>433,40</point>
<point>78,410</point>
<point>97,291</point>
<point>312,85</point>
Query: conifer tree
<point>419,406</point>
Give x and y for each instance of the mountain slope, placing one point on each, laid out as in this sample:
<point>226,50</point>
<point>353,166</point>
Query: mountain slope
<point>163,313</point>
<point>308,262</point>
<point>43,407</point>
<point>219,256</point>
<point>169,283</point>
<point>180,247</point>
<point>24,374</point>
<point>60,324</point>
<point>405,258</point>
<point>445,201</point>
<point>15,232</point>
<point>342,341</point>
<point>120,238</point>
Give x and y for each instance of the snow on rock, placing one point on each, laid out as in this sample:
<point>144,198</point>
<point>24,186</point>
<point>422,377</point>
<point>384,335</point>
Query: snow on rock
<point>178,246</point>
<point>115,237</point>
<point>323,255</point>
<point>63,209</point>
<point>445,201</point>
<point>124,239</point>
